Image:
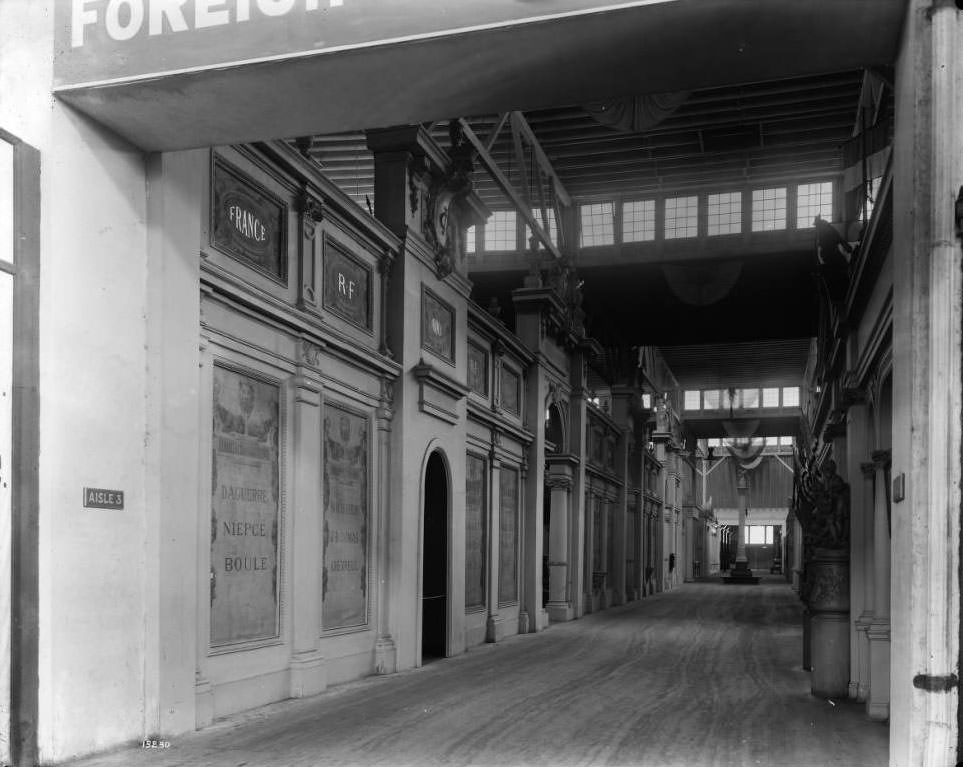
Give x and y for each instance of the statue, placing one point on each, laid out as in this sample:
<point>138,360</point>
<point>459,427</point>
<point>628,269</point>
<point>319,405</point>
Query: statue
<point>661,415</point>
<point>822,507</point>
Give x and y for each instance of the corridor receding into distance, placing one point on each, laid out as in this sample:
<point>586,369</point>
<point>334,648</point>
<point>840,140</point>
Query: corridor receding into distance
<point>493,384</point>
<point>706,675</point>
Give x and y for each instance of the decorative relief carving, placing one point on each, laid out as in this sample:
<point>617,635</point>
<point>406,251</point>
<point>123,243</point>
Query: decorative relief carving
<point>310,353</point>
<point>828,584</point>
<point>312,213</point>
<point>417,172</point>
<point>387,397</point>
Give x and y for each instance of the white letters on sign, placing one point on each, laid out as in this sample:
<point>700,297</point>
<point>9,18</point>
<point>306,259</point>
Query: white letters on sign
<point>125,19</point>
<point>247,223</point>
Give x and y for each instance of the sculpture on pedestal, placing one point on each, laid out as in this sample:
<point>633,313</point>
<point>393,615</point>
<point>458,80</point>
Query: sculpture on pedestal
<point>822,506</point>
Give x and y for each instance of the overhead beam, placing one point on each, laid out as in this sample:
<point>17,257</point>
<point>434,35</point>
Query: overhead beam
<point>520,124</point>
<point>493,137</point>
<point>508,189</point>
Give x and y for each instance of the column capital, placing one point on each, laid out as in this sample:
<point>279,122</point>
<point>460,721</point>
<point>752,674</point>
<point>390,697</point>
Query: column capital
<point>563,481</point>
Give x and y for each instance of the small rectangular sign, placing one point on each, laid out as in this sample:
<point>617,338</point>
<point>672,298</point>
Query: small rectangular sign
<point>99,498</point>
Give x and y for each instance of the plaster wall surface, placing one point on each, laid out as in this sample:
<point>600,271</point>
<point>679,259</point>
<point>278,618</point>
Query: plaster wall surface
<point>92,390</point>
<point>415,434</point>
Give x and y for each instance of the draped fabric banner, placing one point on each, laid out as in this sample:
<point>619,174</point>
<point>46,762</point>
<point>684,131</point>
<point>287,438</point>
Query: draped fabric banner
<point>638,113</point>
<point>770,484</point>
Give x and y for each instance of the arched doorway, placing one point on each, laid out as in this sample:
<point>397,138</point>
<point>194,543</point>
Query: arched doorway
<point>434,562</point>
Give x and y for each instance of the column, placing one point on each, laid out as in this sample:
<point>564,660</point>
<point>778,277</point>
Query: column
<point>602,544</point>
<point>559,482</point>
<point>927,387</point>
<point>740,573</point>
<point>857,445</point>
<point>493,627</point>
<point>307,669</point>
<point>532,615</point>
<point>591,510</point>
<point>386,654</point>
<point>878,632</point>
<point>864,536</point>
<point>578,374</point>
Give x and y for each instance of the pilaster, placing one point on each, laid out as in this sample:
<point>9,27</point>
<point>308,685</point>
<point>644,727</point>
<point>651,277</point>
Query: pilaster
<point>878,632</point>
<point>386,654</point>
<point>307,668</point>
<point>493,623</point>
<point>559,482</point>
<point>858,445</point>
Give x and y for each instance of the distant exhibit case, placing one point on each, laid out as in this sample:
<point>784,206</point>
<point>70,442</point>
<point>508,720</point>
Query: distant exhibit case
<point>295,389</point>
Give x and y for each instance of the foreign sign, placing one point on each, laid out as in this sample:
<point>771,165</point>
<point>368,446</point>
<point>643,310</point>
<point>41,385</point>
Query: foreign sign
<point>100,498</point>
<point>108,40</point>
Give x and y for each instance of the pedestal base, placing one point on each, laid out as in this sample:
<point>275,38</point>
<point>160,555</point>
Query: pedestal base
<point>741,575</point>
<point>830,655</point>
<point>560,611</point>
<point>494,630</point>
<point>203,702</point>
<point>386,656</point>
<point>877,702</point>
<point>523,622</point>
<point>308,675</point>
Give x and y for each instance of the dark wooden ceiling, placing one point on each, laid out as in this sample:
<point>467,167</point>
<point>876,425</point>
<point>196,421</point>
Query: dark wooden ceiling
<point>778,131</point>
<point>755,132</point>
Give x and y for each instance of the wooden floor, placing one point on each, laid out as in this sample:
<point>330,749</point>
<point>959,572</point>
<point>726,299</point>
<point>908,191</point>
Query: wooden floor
<point>707,674</point>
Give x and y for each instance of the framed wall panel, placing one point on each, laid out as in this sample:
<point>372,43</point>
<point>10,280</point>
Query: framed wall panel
<point>248,222</point>
<point>344,580</point>
<point>437,326</point>
<point>347,285</point>
<point>245,509</point>
<point>477,369</point>
<point>511,395</point>
<point>476,543</point>
<point>508,536</point>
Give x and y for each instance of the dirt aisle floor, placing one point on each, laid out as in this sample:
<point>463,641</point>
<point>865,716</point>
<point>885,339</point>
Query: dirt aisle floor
<point>707,674</point>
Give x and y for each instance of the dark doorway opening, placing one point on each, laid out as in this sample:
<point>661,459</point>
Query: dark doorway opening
<point>434,572</point>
